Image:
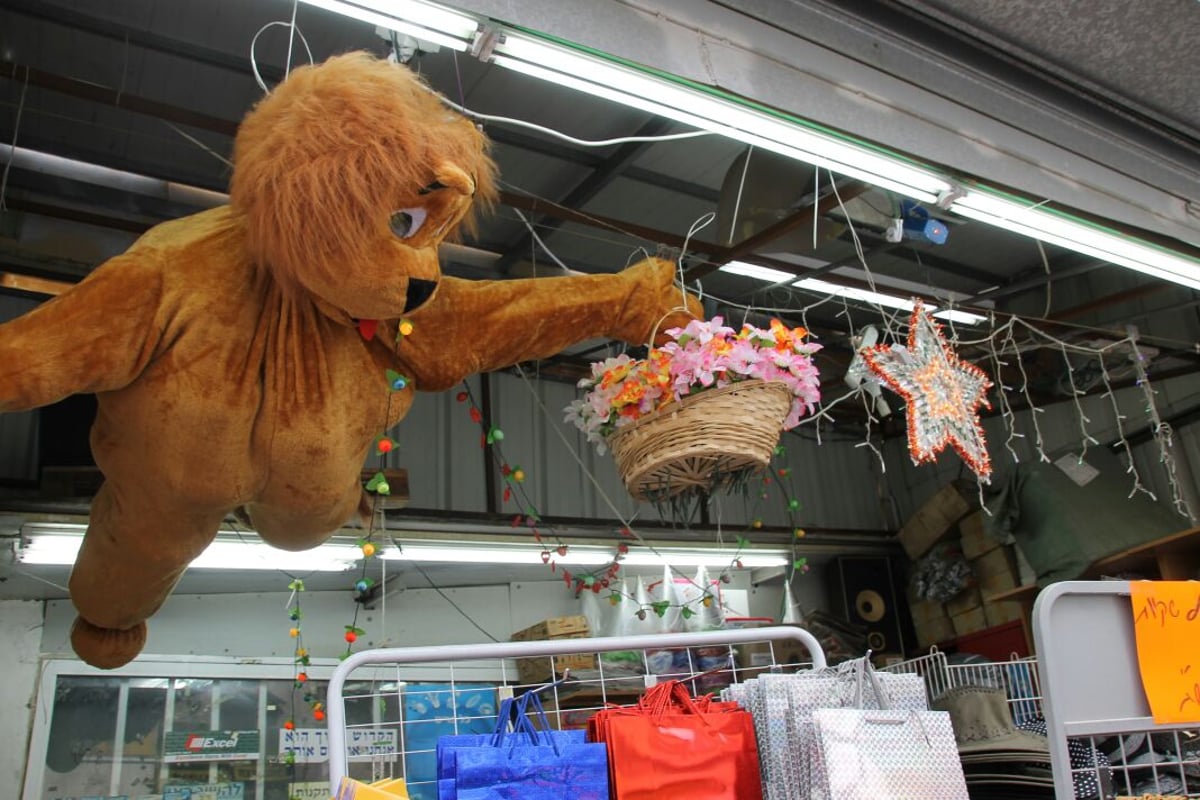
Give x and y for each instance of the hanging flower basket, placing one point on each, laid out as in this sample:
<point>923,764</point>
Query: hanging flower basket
<point>703,441</point>
<point>702,409</point>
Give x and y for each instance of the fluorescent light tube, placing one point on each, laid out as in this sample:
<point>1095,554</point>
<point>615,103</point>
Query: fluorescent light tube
<point>582,555</point>
<point>850,293</point>
<point>961,317</point>
<point>419,20</point>
<point>824,287</point>
<point>761,273</point>
<point>699,109</point>
<point>713,558</point>
<point>62,548</point>
<point>471,554</point>
<point>1049,226</point>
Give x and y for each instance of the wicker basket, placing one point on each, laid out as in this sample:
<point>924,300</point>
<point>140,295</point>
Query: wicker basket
<point>702,441</point>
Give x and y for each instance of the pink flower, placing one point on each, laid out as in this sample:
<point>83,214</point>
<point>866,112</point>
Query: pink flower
<point>701,355</point>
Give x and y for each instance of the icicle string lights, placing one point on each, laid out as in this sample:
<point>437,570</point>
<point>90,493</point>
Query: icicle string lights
<point>1163,435</point>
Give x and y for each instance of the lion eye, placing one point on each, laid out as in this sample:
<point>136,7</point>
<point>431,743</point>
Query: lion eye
<point>407,221</point>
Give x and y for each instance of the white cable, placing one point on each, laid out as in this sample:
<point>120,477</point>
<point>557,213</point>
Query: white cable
<point>254,42</point>
<point>520,123</point>
<point>542,244</point>
<point>12,148</point>
<point>200,144</point>
<point>737,203</point>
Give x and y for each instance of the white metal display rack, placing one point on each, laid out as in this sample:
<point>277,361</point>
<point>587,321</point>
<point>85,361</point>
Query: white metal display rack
<point>1093,692</point>
<point>1087,685</point>
<point>383,674</point>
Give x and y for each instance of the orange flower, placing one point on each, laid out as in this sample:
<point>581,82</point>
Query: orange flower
<point>631,392</point>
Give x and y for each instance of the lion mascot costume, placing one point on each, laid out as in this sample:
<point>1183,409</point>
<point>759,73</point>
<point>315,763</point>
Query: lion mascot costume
<point>240,355</point>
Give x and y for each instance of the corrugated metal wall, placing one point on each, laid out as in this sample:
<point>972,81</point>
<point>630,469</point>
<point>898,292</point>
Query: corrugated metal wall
<point>837,483</point>
<point>18,432</point>
<point>1059,424</point>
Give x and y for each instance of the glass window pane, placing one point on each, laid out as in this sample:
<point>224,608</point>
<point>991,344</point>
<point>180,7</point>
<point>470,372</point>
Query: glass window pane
<point>141,752</point>
<point>82,733</point>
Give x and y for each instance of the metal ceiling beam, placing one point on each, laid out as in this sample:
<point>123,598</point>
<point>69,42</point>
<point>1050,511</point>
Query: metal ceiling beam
<point>1112,299</point>
<point>1057,273</point>
<point>550,209</point>
<point>86,90</point>
<point>586,158</point>
<point>785,226</point>
<point>931,260</point>
<point>585,190</point>
<point>124,34</point>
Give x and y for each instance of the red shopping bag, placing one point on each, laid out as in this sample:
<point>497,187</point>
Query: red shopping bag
<point>673,745</point>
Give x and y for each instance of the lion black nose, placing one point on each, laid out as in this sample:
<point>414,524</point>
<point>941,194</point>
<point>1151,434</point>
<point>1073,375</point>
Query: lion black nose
<point>419,291</point>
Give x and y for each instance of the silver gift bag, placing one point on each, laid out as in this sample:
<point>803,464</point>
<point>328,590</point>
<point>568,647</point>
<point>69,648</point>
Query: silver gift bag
<point>873,751</point>
<point>865,754</point>
<point>783,705</point>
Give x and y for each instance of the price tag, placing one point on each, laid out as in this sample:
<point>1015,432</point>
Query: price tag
<point>1166,623</point>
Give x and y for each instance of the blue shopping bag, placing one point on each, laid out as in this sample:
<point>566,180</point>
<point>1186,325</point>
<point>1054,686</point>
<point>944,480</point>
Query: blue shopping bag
<point>531,763</point>
<point>514,726</point>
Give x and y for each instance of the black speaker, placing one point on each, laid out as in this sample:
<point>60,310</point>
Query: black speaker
<point>863,589</point>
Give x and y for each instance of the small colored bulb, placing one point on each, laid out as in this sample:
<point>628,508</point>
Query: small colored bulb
<point>518,475</point>
<point>406,327</point>
<point>319,715</point>
<point>294,632</point>
<point>351,637</point>
<point>301,677</point>
<point>800,533</point>
<point>289,726</point>
<point>386,445</point>
<point>368,549</point>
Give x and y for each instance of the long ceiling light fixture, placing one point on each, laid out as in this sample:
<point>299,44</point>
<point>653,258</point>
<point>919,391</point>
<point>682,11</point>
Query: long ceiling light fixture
<point>704,108</point>
<point>57,544</point>
<point>578,554</point>
<point>710,109</point>
<point>419,20</point>
<point>1054,227</point>
<point>848,292</point>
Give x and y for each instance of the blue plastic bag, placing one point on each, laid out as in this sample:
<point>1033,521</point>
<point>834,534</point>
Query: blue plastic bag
<point>532,763</point>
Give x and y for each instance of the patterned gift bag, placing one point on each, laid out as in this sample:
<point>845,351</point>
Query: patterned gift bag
<point>880,753</point>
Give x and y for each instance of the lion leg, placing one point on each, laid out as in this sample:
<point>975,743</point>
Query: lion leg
<point>132,556</point>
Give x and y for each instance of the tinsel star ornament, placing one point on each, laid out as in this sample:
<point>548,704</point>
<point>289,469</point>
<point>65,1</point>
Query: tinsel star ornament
<point>943,393</point>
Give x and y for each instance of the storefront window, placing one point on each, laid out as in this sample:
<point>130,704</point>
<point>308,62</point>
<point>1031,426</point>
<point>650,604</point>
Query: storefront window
<point>216,731</point>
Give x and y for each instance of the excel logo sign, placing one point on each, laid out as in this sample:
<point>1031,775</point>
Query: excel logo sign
<point>184,746</point>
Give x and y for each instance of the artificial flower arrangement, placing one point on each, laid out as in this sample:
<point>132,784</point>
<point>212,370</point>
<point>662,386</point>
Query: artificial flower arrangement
<point>703,355</point>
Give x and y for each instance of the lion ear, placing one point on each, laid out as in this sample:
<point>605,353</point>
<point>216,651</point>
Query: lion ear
<point>451,176</point>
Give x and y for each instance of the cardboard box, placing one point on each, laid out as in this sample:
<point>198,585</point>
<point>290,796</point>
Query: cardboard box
<point>975,541</point>
<point>970,622</point>
<point>923,610</point>
<point>996,571</point>
<point>933,522</point>
<point>541,670</point>
<point>934,631</point>
<point>964,601</point>
<point>998,613</point>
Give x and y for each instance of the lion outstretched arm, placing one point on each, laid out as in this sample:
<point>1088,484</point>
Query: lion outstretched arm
<point>96,336</point>
<point>478,326</point>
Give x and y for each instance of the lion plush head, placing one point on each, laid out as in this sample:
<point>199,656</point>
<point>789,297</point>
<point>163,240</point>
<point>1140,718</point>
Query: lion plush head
<point>350,173</point>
